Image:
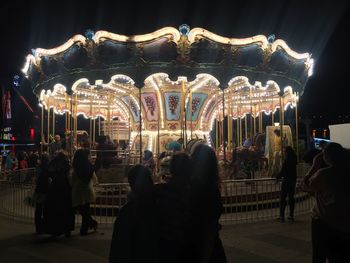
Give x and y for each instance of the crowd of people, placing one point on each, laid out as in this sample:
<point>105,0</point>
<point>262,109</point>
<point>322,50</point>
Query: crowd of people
<point>62,190</point>
<point>174,221</point>
<point>177,219</point>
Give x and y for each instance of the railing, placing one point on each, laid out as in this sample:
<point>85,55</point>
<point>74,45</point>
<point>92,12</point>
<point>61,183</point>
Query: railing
<point>257,200</point>
<point>244,200</point>
<point>16,191</point>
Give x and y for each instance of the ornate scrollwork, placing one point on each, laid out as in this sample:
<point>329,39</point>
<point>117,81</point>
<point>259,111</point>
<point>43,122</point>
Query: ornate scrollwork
<point>266,54</point>
<point>183,45</point>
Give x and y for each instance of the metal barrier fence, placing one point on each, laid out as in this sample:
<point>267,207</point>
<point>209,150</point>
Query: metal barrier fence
<point>257,200</point>
<point>244,200</point>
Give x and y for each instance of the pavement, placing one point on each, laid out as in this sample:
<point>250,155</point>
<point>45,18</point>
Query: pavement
<point>268,241</point>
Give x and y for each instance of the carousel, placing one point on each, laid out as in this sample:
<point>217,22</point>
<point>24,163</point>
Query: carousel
<point>173,84</point>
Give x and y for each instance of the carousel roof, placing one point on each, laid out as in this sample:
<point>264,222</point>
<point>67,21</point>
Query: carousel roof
<point>184,52</point>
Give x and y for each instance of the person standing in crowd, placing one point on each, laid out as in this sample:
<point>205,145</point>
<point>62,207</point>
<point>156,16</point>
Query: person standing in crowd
<point>22,160</point>
<point>54,147</point>
<point>104,153</point>
<point>205,208</point>
<point>58,214</point>
<point>330,224</point>
<point>83,193</point>
<point>135,233</point>
<point>33,158</point>
<point>248,141</point>
<point>173,210</point>
<point>288,174</point>
<point>317,160</point>
<point>148,160</point>
<point>11,162</point>
<point>0,162</point>
<point>41,189</point>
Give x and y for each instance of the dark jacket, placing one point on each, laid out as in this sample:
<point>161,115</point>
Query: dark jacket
<point>288,172</point>
<point>135,236</point>
<point>42,182</point>
<point>58,212</point>
<point>206,208</point>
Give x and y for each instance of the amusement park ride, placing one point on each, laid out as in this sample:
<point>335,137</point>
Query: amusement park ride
<point>173,83</point>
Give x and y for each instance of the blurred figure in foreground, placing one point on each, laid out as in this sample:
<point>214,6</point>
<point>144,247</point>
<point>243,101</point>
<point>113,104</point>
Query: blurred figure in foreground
<point>331,212</point>
<point>135,234</point>
<point>205,208</point>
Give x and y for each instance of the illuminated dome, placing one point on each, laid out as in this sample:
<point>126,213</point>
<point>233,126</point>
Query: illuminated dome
<point>159,75</point>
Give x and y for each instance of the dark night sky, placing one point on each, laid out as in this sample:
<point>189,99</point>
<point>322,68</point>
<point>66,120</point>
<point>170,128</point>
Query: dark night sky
<point>317,27</point>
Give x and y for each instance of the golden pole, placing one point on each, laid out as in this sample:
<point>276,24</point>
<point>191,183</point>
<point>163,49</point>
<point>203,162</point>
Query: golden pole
<point>42,127</point>
<point>90,126</point>
<point>70,123</point>
<point>48,123</point>
<point>140,102</point>
<point>246,126</point>
<point>272,113</point>
<point>158,129</point>
<point>184,112</point>
<point>232,128</point>
<point>238,126</point>
<point>99,118</point>
<point>129,135</point>
<point>191,115</point>
<point>75,118</point>
<point>66,121</point>
<point>53,121</point>
<point>281,124</point>
<point>223,120</point>
<point>93,131</point>
<point>282,110</point>
<point>229,123</point>
<point>254,119</point>
<point>240,131</point>
<point>297,126</point>
<point>260,116</point>
<point>216,124</point>
<point>117,123</point>
<point>108,122</point>
<point>66,114</point>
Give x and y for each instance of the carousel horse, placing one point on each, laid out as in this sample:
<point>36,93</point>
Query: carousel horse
<point>191,145</point>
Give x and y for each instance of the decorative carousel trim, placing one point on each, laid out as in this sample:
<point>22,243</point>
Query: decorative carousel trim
<point>279,43</point>
<point>101,36</point>
<point>197,33</point>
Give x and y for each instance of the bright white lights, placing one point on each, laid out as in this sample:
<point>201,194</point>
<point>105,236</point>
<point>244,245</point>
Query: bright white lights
<point>310,65</point>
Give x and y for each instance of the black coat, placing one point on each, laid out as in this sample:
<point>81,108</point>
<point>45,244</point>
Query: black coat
<point>288,172</point>
<point>58,214</point>
<point>135,235</point>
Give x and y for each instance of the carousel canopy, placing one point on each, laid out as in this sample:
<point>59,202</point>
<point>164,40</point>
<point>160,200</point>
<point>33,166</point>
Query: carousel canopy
<point>99,57</point>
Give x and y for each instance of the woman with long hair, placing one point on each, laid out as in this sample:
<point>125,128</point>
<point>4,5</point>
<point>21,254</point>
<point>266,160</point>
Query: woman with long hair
<point>135,232</point>
<point>58,215</point>
<point>83,193</point>
<point>288,174</point>
<point>173,198</point>
<point>205,207</point>
<point>41,189</point>
<point>331,213</point>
